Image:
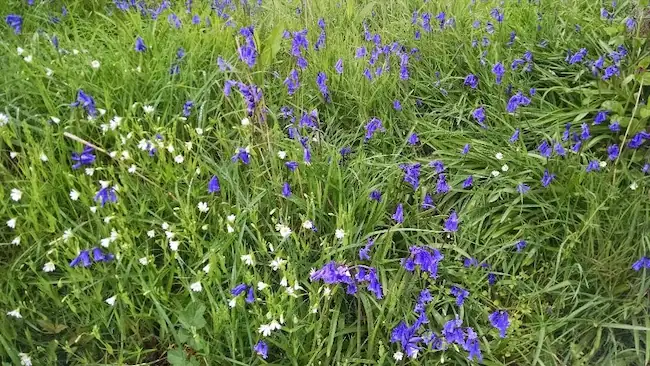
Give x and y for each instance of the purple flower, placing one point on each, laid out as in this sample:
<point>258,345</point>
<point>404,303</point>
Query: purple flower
<point>375,196</point>
<point>187,107</point>
<point>610,72</point>
<point>239,289</point>
<point>515,101</point>
<point>321,79</point>
<point>15,21</point>
<point>498,70</point>
<point>453,332</point>
<point>286,190</point>
<point>479,116</point>
<point>82,258</point>
<point>601,117</point>
<point>243,155</point>
<point>413,139</point>
<point>492,279</point>
<point>427,203</point>
<point>250,295</point>
<point>577,57</point>
<point>292,82</point>
<point>630,24</point>
<point>465,149</point>
<point>547,178</point>
<point>139,45</point>
<point>559,149</point>
<point>100,256</point>
<point>426,258</point>
<point>520,245</point>
<point>545,149</point>
<point>646,168</point>
<point>514,137</point>
<point>441,185</point>
<point>468,182</point>
<point>567,130</point>
<point>291,165</point>
<point>364,253</point>
<point>612,152</point>
<point>213,185</point>
<point>262,349</point>
<point>86,101</point>
<point>438,166</point>
<point>223,65</point>
<point>361,52</point>
<point>373,126</point>
<point>499,320</point>
<point>339,66</point>
<point>106,194</point>
<point>643,262</point>
<point>398,216</point>
<point>637,140</point>
<point>451,224</point>
<point>470,262</point>
<point>615,126</point>
<point>594,165</point>
<point>522,188</point>
<point>397,105</point>
<point>471,80</point>
<point>332,273</point>
<point>460,294</point>
<point>584,134</point>
<point>472,345</point>
<point>498,16</point>
<point>86,157</point>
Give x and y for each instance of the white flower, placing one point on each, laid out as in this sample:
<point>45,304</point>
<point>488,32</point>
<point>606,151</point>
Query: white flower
<point>206,268</point>
<point>203,207</point>
<point>49,72</point>
<point>16,241</point>
<point>199,131</point>
<point>132,169</point>
<point>204,227</point>
<point>233,302</point>
<point>115,122</point>
<point>245,122</point>
<point>49,267</point>
<point>602,164</point>
<point>499,156</point>
<point>164,226</point>
<point>67,234</point>
<point>93,209</point>
<point>12,154</point>
<point>327,291</point>
<point>144,261</point>
<point>111,300</point>
<point>15,313</point>
<point>495,173</point>
<point>179,159</point>
<point>282,154</point>
<point>197,171</point>
<point>25,360</point>
<point>170,148</point>
<point>505,167</point>
<point>16,194</point>
<point>173,245</point>
<point>151,233</point>
<point>339,233</point>
<point>112,154</point>
<point>74,195</point>
<point>108,219</point>
<point>11,223</point>
<point>230,229</point>
<point>4,119</point>
<point>89,171</point>
<point>138,69</point>
<point>95,64</point>
<point>284,230</point>
<point>188,145</point>
<point>75,52</point>
<point>43,157</point>
<point>283,282</point>
<point>125,155</point>
<point>55,120</point>
<point>398,356</point>
<point>196,286</point>
<point>276,263</point>
<point>148,109</point>
<point>248,259</point>
<point>261,286</point>
<point>307,224</point>
<point>231,218</point>
<point>169,234</point>
<point>266,329</point>
<point>20,51</point>
<point>28,59</point>
<point>634,186</point>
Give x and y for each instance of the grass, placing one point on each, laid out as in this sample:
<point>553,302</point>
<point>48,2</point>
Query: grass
<point>571,294</point>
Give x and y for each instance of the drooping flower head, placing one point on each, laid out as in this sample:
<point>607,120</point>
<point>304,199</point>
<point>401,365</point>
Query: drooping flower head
<point>426,258</point>
<point>262,349</point>
<point>479,116</point>
<point>471,80</point>
<point>373,126</point>
<point>106,194</point>
<point>412,174</point>
<point>460,294</point>
<point>498,70</point>
<point>213,185</point>
<point>451,224</point>
<point>499,319</point>
<point>86,157</point>
<point>398,216</point>
<point>241,154</point>
<point>15,21</point>
<point>86,101</point>
<point>139,45</point>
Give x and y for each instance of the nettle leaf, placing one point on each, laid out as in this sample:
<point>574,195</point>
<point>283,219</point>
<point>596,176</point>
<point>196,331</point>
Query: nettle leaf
<point>192,315</point>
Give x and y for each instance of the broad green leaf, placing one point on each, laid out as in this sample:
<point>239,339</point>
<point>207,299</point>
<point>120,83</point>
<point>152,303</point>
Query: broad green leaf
<point>192,315</point>
<point>177,357</point>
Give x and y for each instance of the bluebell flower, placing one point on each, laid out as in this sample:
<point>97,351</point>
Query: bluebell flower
<point>577,57</point>
<point>498,70</point>
<point>100,256</point>
<point>241,154</point>
<point>520,245</point>
<point>485,41</point>
<point>479,116</point>
<point>515,101</point>
<point>451,224</point>
<point>522,188</point>
<point>468,182</point>
<point>321,80</point>
<point>438,166</point>
<point>397,105</point>
<point>472,345</point>
<point>646,168</point>
<point>250,295</point>
<point>412,174</point>
<point>547,178</point>
<point>174,20</point>
<point>15,21</point>
<point>262,349</point>
<point>441,185</point>
<point>398,216</point>
<point>471,80</point>
<point>292,165</point>
<point>637,140</point>
<point>497,15</point>
<point>492,278</point>
<point>414,17</point>
<point>339,66</point>
<point>567,131</point>
<point>460,294</point>
<point>106,194</point>
<point>584,132</point>
<point>511,39</point>
<point>239,289</point>
<point>373,126</point>
<point>499,319</point>
<point>465,149</point>
<point>375,196</point>
<point>364,253</point>
<point>441,18</point>
<point>612,152</point>
<point>213,185</point>
<point>601,117</point>
<point>474,43</point>
<point>139,45</point>
<point>86,157</point>
<point>610,72</point>
<point>594,165</point>
<point>470,262</point>
<point>615,126</point>
<point>86,101</point>
<point>361,52</point>
<point>413,139</point>
<point>83,259</point>
<point>514,137</point>
<point>559,149</point>
<point>453,332</point>
<point>643,262</point>
<point>374,286</point>
<point>187,107</point>
<point>545,149</point>
<point>223,65</point>
<point>332,273</point>
<point>426,22</point>
<point>532,91</point>
<point>476,24</point>
<point>426,258</point>
<point>630,24</point>
<point>55,42</point>
<point>576,147</point>
<point>292,82</point>
<point>286,190</point>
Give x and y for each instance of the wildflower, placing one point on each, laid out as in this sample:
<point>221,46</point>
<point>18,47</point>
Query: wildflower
<point>413,139</point>
<point>437,165</point>
<point>364,253</point>
<point>593,166</point>
<point>262,349</point>
<point>375,195</point>
<point>499,320</point>
<point>577,57</point>
<point>213,185</point>
<point>522,188</point>
<point>292,82</point>
<point>286,190</point>
<point>545,149</point>
<point>427,203</point>
<point>15,21</point>
<point>637,140</point>
<point>86,101</point>
<point>559,149</point>
<point>612,152</point>
<point>284,230</point>
<point>465,149</point>
<point>634,186</point>
<point>196,286</point>
<point>479,116</point>
<point>471,80</point>
<point>601,117</point>
<point>547,178</point>
<point>460,294</point>
<point>179,159</point>
<point>250,295</point>
<point>83,258</point>
<point>49,267</point>
<point>442,186</point>
<point>397,105</point>
<point>468,182</point>
<point>630,24</point>
<point>516,101</point>
<point>610,72</point>
<point>139,45</point>
<point>398,356</point>
<point>472,345</point>
<point>615,126</point>
<point>469,262</point>
<point>321,80</point>
<point>15,313</point>
<point>565,134</point>
<point>339,66</point>
<point>453,332</point>
<point>247,51</point>
<point>241,154</point>
<point>412,174</point>
<point>16,194</point>
<point>203,207</point>
<point>498,70</point>
<point>86,157</point>
<point>398,216</point>
<point>373,126</point>
<point>643,262</point>
<point>451,224</point>
<point>520,245</point>
<point>339,233</point>
<point>106,194</point>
